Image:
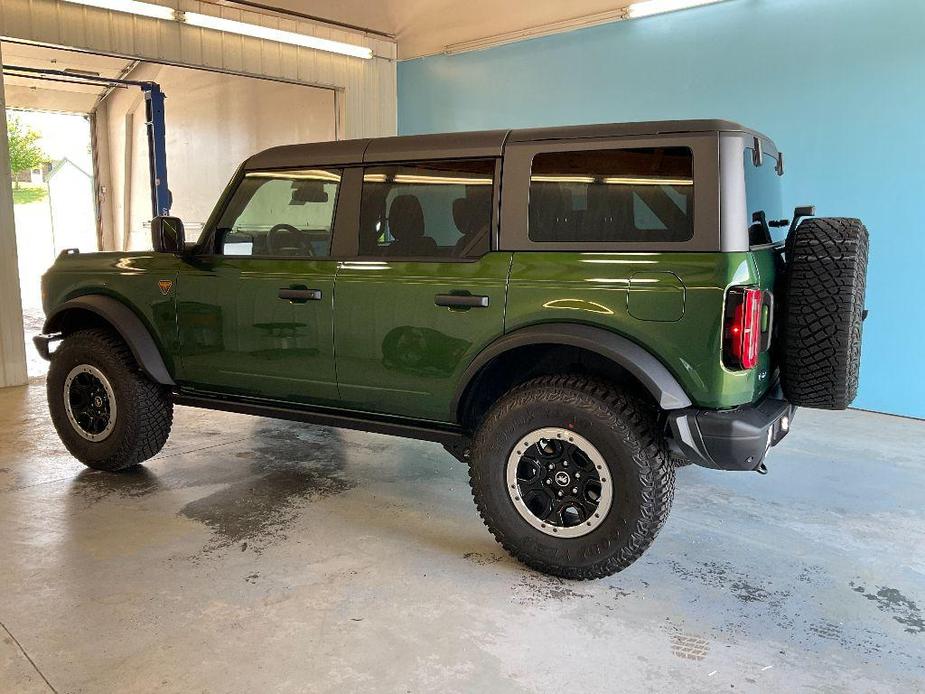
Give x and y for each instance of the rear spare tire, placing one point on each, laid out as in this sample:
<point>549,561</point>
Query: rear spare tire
<point>826,279</point>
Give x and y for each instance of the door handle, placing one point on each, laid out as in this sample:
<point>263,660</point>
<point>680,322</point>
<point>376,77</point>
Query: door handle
<point>461,301</point>
<point>299,296</point>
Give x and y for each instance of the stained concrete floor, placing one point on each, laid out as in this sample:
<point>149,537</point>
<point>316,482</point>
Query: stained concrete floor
<point>256,556</point>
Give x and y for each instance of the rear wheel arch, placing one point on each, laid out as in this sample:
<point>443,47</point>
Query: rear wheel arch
<point>552,348</point>
<point>102,311</point>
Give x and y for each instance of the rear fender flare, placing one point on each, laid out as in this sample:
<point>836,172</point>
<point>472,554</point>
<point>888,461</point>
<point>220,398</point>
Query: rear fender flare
<point>638,361</point>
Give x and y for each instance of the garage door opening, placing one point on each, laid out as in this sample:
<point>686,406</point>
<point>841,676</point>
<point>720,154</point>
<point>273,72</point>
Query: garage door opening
<point>96,142</point>
<point>53,201</point>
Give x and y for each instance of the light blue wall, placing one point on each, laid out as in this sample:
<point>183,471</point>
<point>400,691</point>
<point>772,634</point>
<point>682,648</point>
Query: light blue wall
<point>839,85</point>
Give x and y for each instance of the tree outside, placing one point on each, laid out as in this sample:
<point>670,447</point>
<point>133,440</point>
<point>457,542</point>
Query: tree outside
<point>25,152</point>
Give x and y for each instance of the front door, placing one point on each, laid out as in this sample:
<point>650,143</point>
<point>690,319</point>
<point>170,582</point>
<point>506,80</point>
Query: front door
<point>255,313</point>
<point>424,294</point>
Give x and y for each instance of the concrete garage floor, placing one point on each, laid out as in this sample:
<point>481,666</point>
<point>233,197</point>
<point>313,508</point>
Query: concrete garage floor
<point>255,555</point>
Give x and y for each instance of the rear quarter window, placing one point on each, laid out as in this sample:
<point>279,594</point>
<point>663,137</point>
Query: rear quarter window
<point>612,195</point>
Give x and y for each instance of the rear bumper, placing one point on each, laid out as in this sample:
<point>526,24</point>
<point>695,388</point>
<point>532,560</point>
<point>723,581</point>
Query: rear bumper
<point>735,439</point>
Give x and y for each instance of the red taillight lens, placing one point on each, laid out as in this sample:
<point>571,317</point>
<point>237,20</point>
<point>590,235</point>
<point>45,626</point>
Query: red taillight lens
<point>742,332</point>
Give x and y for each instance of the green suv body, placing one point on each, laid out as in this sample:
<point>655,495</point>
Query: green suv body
<point>617,296</point>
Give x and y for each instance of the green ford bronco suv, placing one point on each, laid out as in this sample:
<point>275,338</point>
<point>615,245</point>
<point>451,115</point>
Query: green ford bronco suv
<point>571,311</point>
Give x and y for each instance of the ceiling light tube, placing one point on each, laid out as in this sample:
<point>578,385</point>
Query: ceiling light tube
<point>144,9</point>
<point>650,7</point>
<point>642,181</point>
<point>148,9</point>
<point>230,26</point>
<point>561,179</point>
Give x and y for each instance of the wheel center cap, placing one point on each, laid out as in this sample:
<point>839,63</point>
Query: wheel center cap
<point>562,478</point>
<point>98,402</point>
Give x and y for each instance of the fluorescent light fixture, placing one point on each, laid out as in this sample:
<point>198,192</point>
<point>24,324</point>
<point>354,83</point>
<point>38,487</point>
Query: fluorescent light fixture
<point>561,179</point>
<point>306,175</point>
<point>627,181</point>
<point>423,179</point>
<point>229,26</point>
<point>144,9</point>
<point>442,180</point>
<point>650,7</point>
<point>615,180</point>
<point>148,9</point>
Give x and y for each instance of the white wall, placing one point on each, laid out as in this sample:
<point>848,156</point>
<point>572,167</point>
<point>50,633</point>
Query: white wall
<point>214,122</point>
<point>365,88</point>
<point>12,348</point>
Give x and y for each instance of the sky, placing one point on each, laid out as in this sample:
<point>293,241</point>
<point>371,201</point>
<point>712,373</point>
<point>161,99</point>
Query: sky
<point>63,134</point>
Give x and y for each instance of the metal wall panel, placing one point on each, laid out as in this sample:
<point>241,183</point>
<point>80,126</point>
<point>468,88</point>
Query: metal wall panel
<point>367,88</point>
<point>12,348</point>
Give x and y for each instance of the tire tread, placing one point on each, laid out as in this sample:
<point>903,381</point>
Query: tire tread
<point>632,419</point>
<point>148,418</point>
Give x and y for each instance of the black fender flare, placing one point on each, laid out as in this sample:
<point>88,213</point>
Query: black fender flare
<point>125,322</point>
<point>637,360</point>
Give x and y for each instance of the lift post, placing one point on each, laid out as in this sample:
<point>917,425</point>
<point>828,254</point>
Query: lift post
<point>161,199</point>
<point>155,123</point>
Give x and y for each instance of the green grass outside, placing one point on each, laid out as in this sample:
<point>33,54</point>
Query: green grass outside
<point>29,193</point>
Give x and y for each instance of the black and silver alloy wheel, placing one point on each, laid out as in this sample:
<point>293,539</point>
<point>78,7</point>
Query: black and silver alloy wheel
<point>559,482</point>
<point>90,402</point>
<point>571,475</point>
<point>108,413</point>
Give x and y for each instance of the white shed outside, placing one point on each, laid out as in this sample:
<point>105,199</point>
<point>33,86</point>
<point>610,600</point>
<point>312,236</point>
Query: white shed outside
<point>70,198</point>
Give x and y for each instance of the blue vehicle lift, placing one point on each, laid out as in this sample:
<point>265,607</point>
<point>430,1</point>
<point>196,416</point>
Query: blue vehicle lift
<point>161,197</point>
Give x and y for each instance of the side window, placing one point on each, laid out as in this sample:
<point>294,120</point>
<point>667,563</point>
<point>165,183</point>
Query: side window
<point>427,210</point>
<point>612,195</point>
<point>280,213</point>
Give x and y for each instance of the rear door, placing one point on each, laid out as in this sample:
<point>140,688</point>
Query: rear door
<point>255,315</point>
<point>424,292</point>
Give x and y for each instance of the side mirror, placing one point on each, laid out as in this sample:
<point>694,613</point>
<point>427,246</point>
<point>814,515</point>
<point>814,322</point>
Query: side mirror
<point>167,235</point>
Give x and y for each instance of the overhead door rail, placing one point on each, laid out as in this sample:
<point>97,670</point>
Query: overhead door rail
<point>161,197</point>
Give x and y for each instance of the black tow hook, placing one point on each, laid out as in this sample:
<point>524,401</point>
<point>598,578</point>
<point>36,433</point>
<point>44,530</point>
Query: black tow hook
<point>762,469</point>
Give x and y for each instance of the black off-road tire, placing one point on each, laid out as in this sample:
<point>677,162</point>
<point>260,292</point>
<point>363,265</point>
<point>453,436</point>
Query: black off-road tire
<point>824,310</point>
<point>623,429</point>
<point>144,410</point>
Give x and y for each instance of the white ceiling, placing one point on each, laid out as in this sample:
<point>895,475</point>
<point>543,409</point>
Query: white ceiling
<point>424,27</point>
<point>22,92</point>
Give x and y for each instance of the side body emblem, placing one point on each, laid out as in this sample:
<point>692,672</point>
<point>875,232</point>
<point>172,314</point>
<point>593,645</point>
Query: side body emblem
<point>165,286</point>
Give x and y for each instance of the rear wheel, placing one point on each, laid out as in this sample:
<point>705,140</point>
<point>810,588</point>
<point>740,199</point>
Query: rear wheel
<point>571,476</point>
<point>108,414</point>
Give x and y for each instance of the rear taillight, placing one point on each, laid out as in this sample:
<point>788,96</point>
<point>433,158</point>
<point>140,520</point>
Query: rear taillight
<point>742,331</point>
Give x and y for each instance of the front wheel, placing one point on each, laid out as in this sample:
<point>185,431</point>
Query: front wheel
<point>571,476</point>
<point>108,414</point>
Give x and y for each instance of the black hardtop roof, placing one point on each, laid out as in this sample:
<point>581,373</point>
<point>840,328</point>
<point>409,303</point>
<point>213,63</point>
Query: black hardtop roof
<point>481,143</point>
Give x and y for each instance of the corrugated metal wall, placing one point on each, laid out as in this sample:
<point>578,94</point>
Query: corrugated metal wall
<point>366,88</point>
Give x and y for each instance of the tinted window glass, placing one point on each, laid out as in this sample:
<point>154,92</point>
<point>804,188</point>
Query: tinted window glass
<point>429,210</point>
<point>763,197</point>
<point>280,213</point>
<point>612,195</point>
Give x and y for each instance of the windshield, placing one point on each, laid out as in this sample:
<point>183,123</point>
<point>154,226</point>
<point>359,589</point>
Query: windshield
<point>766,217</point>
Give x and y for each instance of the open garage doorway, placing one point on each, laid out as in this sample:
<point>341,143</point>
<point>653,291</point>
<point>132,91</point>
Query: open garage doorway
<point>93,189</point>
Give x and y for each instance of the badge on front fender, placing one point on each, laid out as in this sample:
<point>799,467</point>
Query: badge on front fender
<point>164,286</point>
